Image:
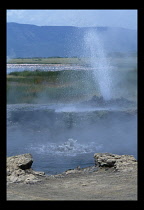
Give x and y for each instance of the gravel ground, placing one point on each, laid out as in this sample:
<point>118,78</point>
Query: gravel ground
<point>96,185</point>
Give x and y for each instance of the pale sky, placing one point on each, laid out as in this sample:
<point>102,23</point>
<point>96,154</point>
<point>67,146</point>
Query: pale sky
<point>80,18</point>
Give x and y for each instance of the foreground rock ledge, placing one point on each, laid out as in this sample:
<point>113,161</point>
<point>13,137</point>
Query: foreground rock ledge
<point>124,163</point>
<point>19,167</point>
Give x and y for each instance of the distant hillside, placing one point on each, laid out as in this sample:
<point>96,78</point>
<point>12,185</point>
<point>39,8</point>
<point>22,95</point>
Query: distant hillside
<point>24,40</point>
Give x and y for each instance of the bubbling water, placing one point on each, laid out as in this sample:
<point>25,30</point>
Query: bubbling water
<point>99,62</point>
<point>69,148</point>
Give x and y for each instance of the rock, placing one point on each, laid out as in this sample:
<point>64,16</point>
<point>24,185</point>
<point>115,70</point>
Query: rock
<point>30,179</point>
<point>95,100</point>
<point>19,169</point>
<point>118,162</point>
<point>111,162</point>
<point>99,101</point>
<point>79,170</point>
<point>21,161</point>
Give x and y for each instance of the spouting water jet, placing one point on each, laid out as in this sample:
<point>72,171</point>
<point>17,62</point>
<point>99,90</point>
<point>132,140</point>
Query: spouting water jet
<point>99,62</point>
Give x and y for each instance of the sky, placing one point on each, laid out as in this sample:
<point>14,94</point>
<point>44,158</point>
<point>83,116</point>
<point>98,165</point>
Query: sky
<point>80,18</point>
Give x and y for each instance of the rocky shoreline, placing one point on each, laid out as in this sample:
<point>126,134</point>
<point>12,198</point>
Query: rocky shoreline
<point>19,167</point>
<point>112,177</point>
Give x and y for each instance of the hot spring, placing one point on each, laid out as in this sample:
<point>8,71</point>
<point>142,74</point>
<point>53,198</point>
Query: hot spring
<point>61,137</point>
<point>65,135</point>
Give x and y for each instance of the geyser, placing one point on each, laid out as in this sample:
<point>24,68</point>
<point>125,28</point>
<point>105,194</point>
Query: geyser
<point>99,62</point>
<point>66,131</point>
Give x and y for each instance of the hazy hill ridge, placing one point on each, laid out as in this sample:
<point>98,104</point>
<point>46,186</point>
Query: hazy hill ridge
<point>25,40</point>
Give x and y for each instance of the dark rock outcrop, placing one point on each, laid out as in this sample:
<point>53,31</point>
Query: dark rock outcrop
<point>100,102</point>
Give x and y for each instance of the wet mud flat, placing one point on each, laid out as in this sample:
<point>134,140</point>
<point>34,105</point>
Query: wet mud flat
<point>96,185</point>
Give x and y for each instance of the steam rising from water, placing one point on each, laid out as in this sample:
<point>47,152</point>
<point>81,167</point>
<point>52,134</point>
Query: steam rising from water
<point>60,139</point>
<point>52,132</point>
<point>99,62</point>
